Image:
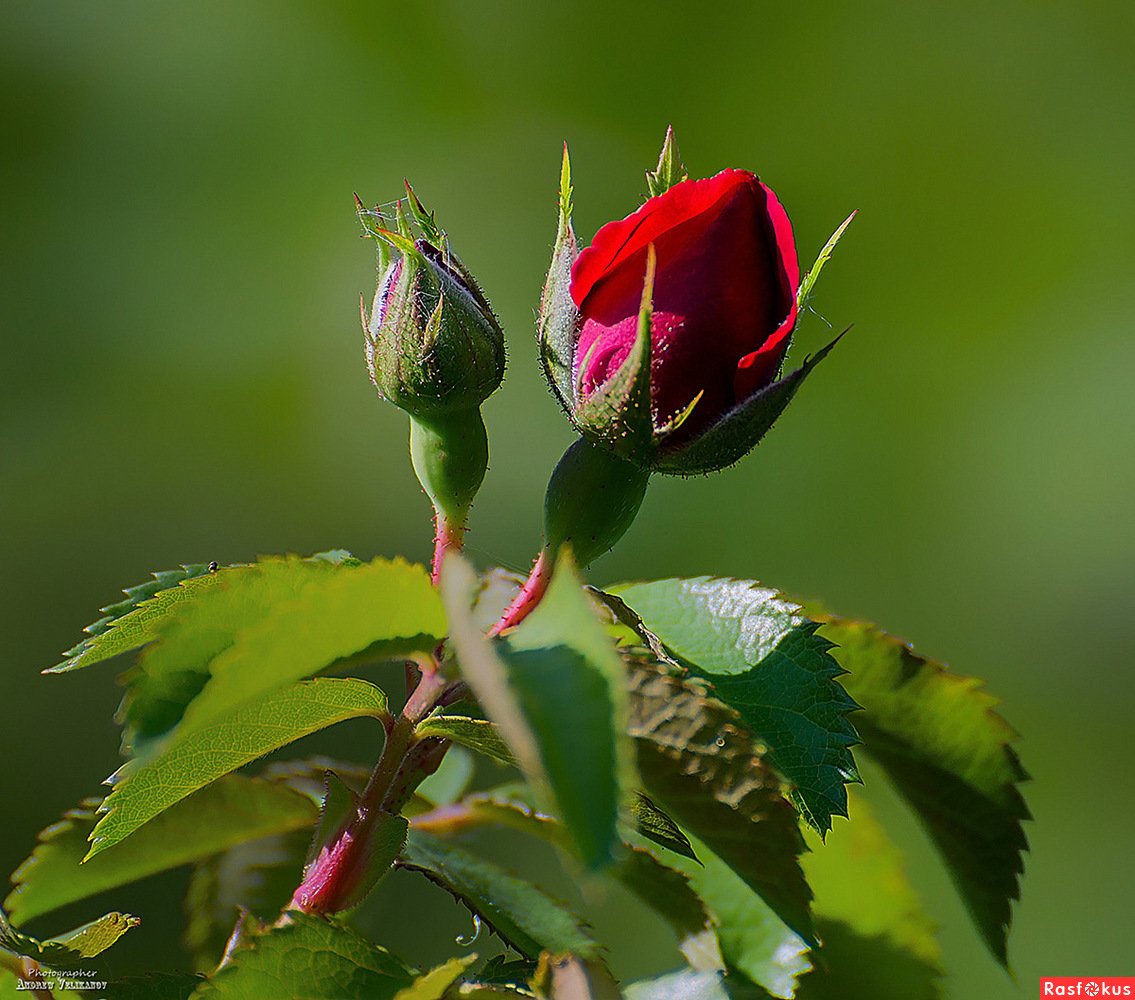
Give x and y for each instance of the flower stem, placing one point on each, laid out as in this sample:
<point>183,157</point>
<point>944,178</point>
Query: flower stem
<point>448,536</point>
<point>528,597</point>
<point>331,883</point>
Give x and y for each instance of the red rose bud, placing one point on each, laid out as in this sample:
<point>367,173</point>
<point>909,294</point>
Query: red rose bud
<point>434,349</point>
<point>664,339</point>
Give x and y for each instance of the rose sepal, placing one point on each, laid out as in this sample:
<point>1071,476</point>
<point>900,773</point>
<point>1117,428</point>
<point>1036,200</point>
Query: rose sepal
<point>557,324</point>
<point>433,343</point>
<point>617,415</point>
<point>670,170</point>
<point>741,429</point>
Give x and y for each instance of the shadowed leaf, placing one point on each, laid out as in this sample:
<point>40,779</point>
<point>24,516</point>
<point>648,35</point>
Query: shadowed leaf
<point>765,661</point>
<point>311,958</point>
<point>555,689</point>
<point>142,790</point>
<point>949,754</point>
<point>230,811</point>
<point>704,768</point>
<point>516,910</point>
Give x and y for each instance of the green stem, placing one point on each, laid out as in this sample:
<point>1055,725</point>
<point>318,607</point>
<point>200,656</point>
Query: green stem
<point>450,452</point>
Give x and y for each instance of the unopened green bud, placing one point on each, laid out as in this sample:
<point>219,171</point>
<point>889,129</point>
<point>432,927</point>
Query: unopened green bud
<point>591,501</point>
<point>433,345</point>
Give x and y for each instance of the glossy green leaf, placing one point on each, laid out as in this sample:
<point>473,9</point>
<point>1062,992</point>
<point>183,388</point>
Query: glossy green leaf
<point>476,734</point>
<point>312,958</point>
<point>516,910</point>
<point>555,687</point>
<point>91,939</point>
<point>753,940</point>
<point>659,828</point>
<point>133,621</point>
<point>764,660</point>
<point>877,939</point>
<point>69,949</point>
<point>939,739</point>
<point>434,984</point>
<point>701,764</point>
<point>281,621</point>
<point>142,790</point>
<point>230,811</point>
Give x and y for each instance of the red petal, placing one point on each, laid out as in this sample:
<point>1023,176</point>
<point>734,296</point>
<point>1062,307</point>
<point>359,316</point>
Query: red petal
<point>617,241</point>
<point>757,369</point>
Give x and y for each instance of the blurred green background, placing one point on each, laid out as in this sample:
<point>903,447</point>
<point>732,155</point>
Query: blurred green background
<point>182,373</point>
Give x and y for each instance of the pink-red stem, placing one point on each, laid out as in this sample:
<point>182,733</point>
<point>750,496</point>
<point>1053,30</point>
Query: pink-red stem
<point>447,537</point>
<point>525,601</point>
<point>332,882</point>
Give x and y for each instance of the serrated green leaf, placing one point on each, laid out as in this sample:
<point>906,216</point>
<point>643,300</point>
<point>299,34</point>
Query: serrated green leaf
<point>659,828</point>
<point>516,910</point>
<point>434,984</point>
<point>143,789</point>
<point>950,755</point>
<point>661,888</point>
<point>702,765</point>
<point>230,811</point>
<point>70,948</point>
<point>91,939</point>
<point>555,687</point>
<point>753,940</point>
<point>764,660</point>
<point>134,622</point>
<point>669,893</point>
<point>877,939</point>
<point>284,620</point>
<point>312,958</point>
<point>476,734</point>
